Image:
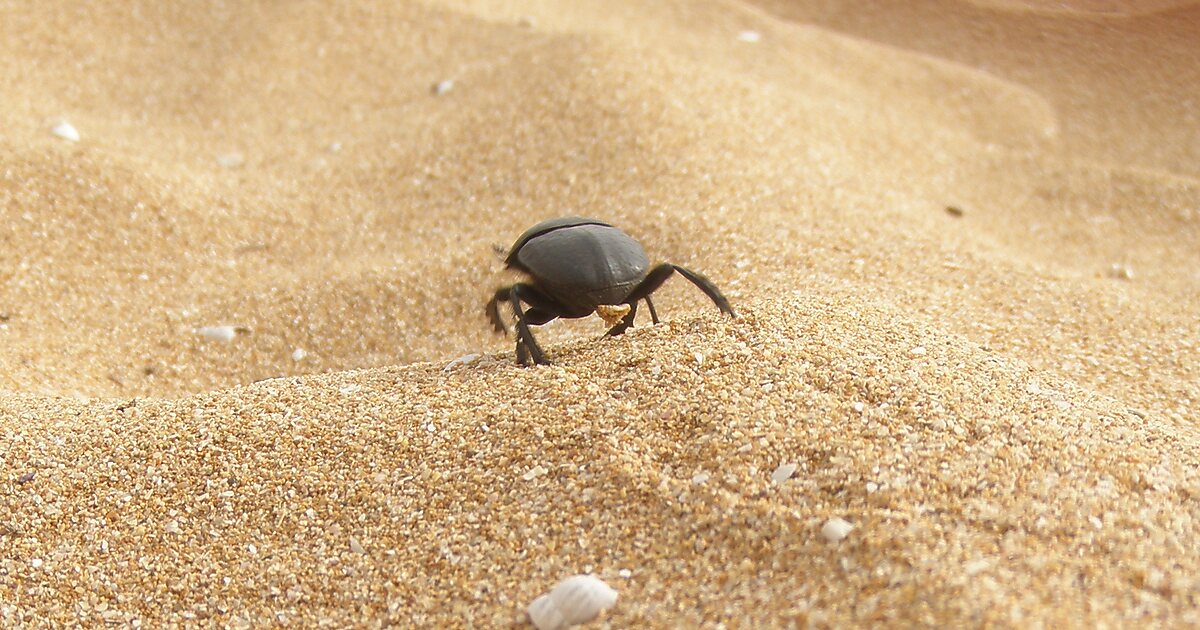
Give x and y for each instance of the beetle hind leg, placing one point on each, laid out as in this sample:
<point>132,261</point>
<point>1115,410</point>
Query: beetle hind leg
<point>542,310</point>
<point>493,310</point>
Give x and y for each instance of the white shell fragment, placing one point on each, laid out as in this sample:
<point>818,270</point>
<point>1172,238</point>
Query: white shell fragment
<point>466,359</point>
<point>66,131</point>
<point>441,87</point>
<point>357,547</point>
<point>298,354</point>
<point>783,473</point>
<point>750,37</point>
<point>217,333</point>
<point>612,314</point>
<point>835,529</point>
<point>575,600</point>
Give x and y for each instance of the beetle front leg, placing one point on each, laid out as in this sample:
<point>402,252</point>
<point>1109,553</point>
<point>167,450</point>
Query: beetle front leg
<point>653,313</point>
<point>709,289</point>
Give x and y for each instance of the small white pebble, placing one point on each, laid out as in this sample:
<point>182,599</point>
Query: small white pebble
<point>232,159</point>
<point>252,548</point>
<point>357,547</point>
<point>625,573</point>
<point>298,354</point>
<point>917,351</point>
<point>534,473</point>
<point>783,473</point>
<point>334,147</point>
<point>751,37</point>
<point>172,527</point>
<point>217,333</point>
<point>36,563</point>
<point>1034,388</point>
<point>700,478</point>
<point>872,487</point>
<point>66,131</point>
<point>1096,522</point>
<point>975,566</point>
<point>441,87</point>
<point>1120,271</point>
<point>835,529</point>
<point>859,407</point>
<point>698,357</point>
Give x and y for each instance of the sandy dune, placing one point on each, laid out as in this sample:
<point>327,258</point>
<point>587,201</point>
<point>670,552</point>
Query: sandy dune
<point>1002,401</point>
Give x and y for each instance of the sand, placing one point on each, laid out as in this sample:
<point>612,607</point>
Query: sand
<point>235,313</point>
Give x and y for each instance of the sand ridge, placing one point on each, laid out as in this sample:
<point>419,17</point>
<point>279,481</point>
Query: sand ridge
<point>1001,401</point>
<point>1122,78</point>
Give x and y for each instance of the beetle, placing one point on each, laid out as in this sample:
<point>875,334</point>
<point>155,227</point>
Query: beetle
<point>574,265</point>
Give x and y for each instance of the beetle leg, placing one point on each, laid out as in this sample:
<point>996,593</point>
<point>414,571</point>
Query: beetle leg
<point>653,313</point>
<point>651,283</point>
<point>708,288</point>
<point>493,309</point>
<point>659,275</point>
<point>524,335</point>
<point>536,316</point>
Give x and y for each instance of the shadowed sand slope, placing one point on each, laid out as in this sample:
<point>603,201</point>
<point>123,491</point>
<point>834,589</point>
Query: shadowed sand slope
<point>1122,75</point>
<point>1001,399</point>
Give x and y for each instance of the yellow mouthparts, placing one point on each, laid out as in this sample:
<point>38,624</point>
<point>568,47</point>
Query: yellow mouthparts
<point>612,313</point>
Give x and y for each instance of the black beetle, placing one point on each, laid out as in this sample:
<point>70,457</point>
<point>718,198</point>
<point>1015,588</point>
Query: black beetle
<point>575,265</point>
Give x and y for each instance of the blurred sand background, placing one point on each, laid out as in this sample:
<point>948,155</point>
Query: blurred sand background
<point>1002,400</point>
